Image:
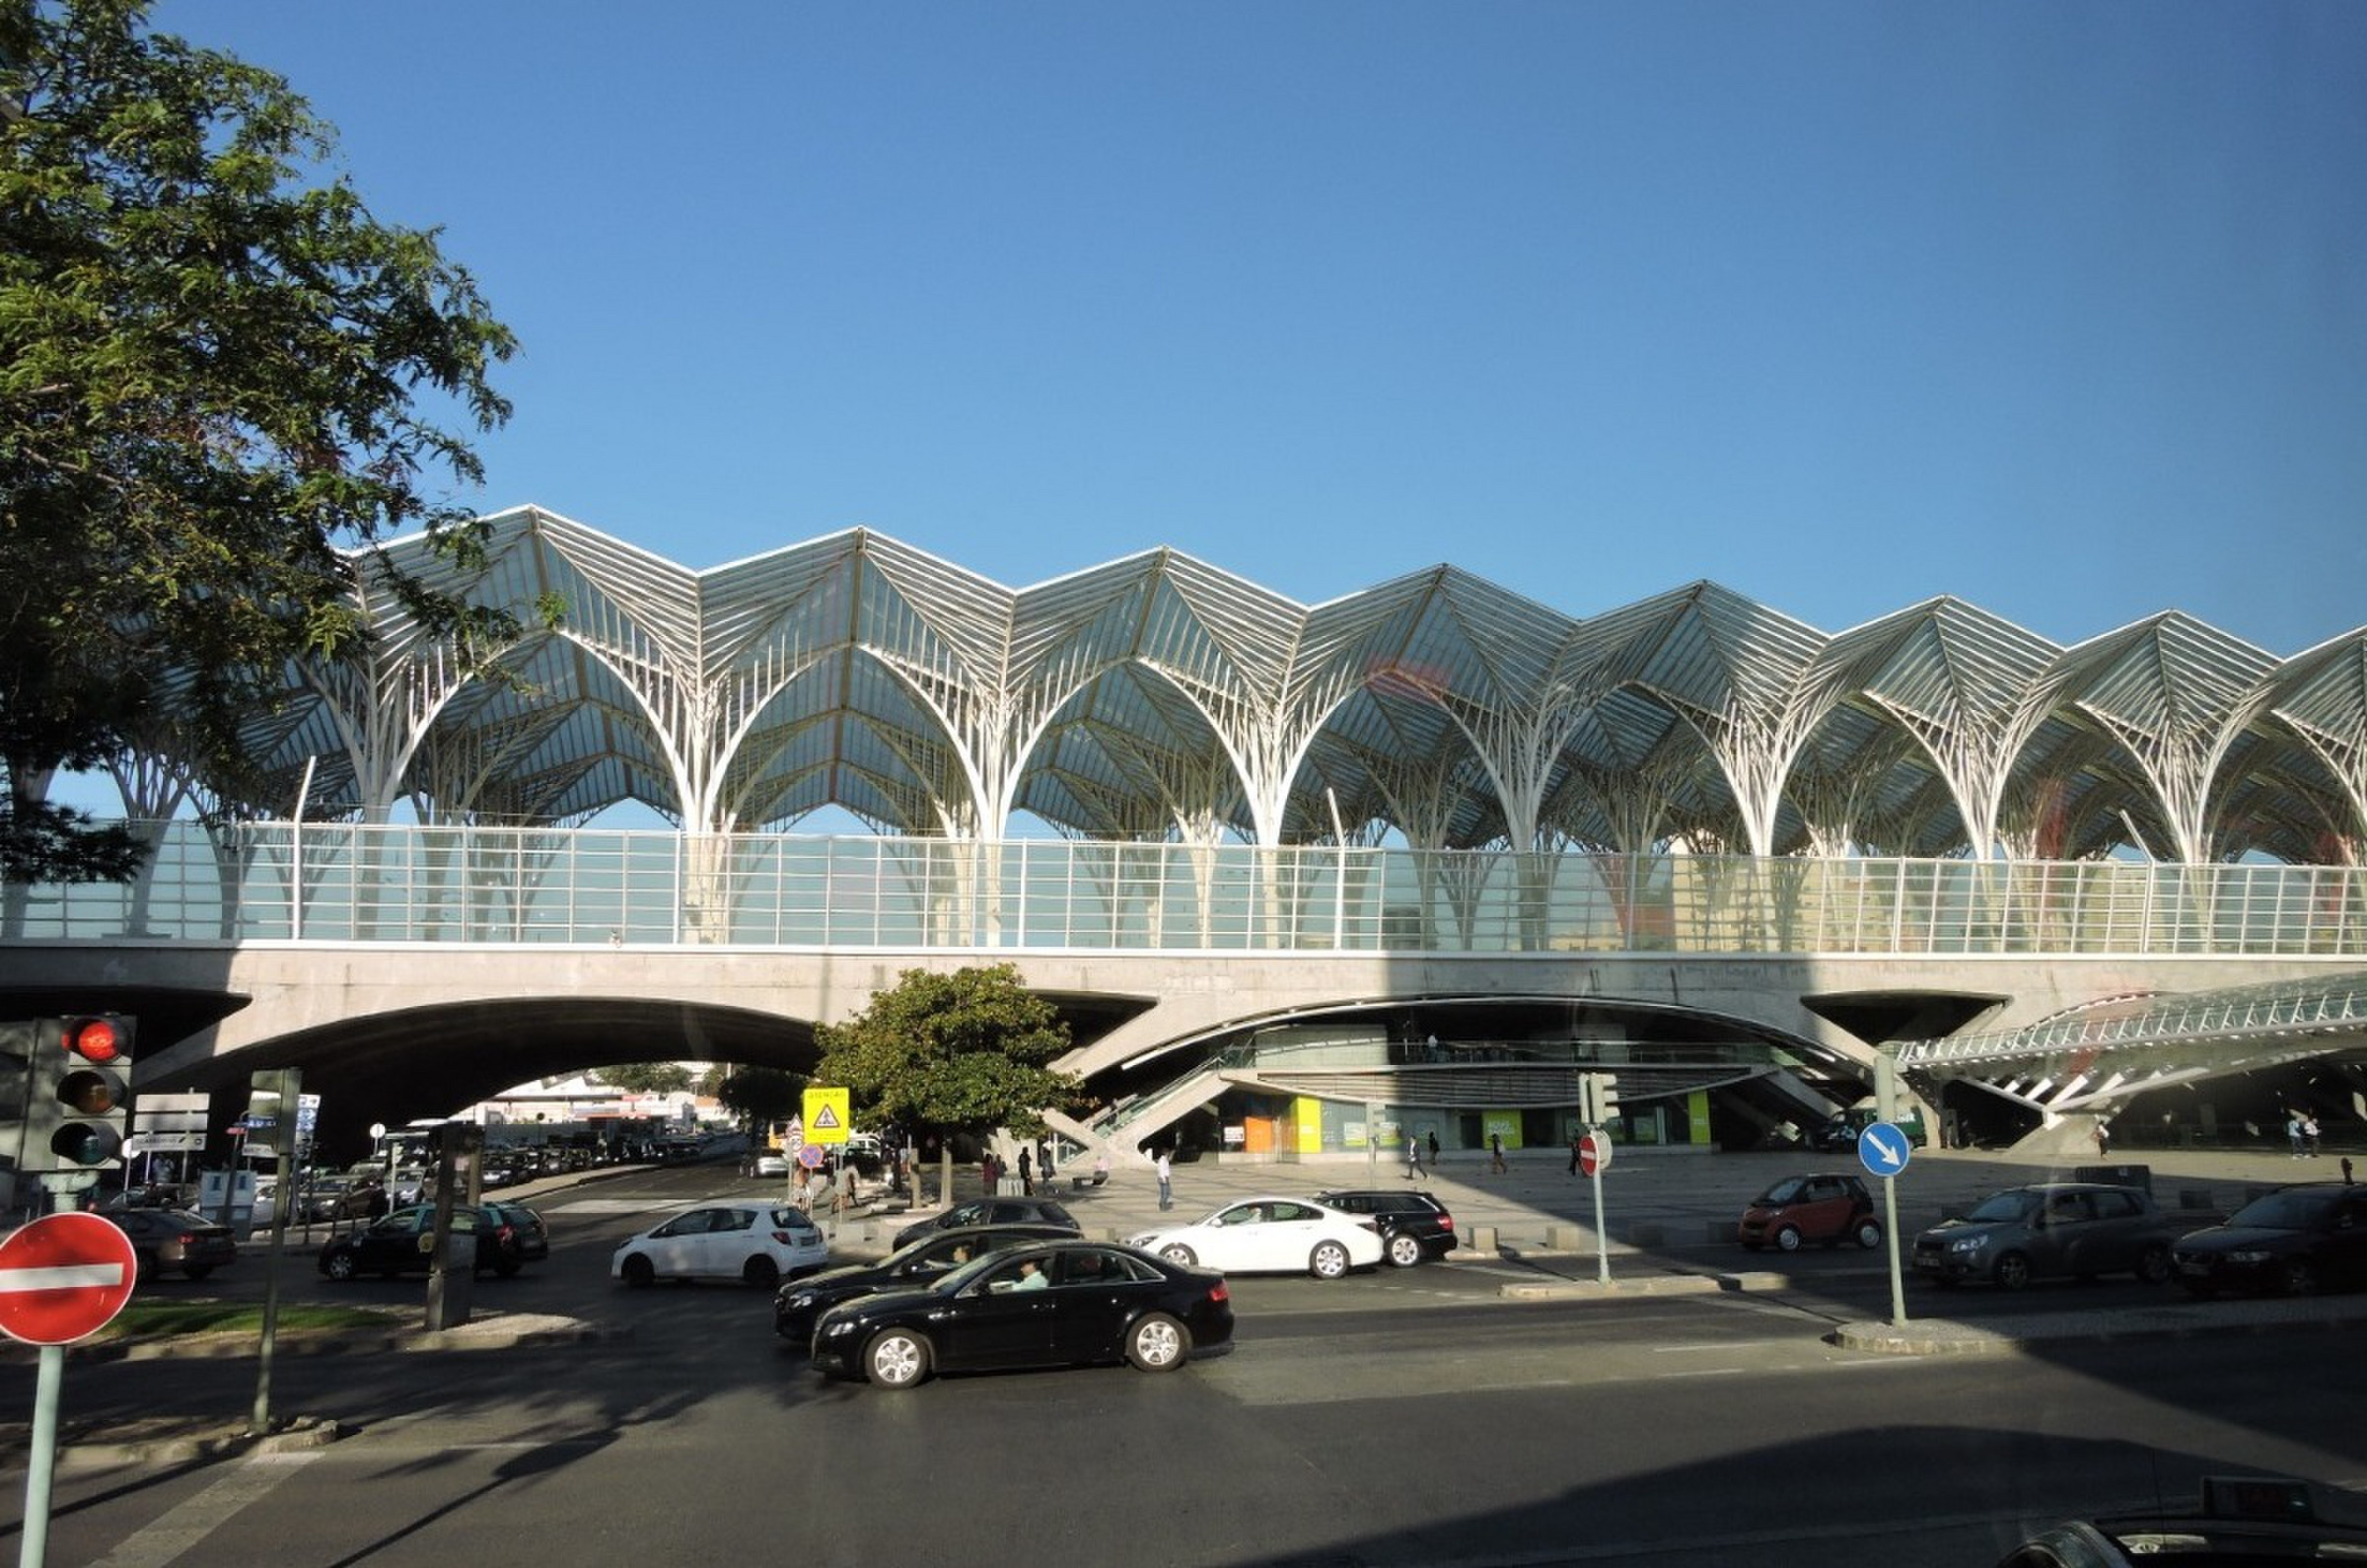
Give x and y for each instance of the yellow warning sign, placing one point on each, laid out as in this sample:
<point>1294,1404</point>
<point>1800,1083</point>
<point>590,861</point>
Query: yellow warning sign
<point>828,1111</point>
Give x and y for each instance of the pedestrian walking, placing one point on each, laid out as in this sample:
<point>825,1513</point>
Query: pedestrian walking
<point>2293,1134</point>
<point>1433,1151</point>
<point>2309,1133</point>
<point>1574,1153</point>
<point>1495,1152</point>
<point>1026,1172</point>
<point>1413,1157</point>
<point>1167,1177</point>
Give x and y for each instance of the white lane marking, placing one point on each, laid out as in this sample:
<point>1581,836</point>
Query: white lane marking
<point>188,1523</point>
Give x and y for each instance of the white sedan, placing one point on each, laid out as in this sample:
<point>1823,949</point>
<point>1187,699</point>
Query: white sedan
<point>1275,1234</point>
<point>759,1244</point>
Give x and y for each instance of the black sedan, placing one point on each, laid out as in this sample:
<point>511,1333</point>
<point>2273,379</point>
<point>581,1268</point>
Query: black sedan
<point>401,1243</point>
<point>2295,1240</point>
<point>798,1304</point>
<point>1055,1304</point>
<point>175,1241</point>
<point>993,1211</point>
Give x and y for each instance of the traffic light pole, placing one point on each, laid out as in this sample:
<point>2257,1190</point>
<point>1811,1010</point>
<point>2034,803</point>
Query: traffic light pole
<point>50,1381</point>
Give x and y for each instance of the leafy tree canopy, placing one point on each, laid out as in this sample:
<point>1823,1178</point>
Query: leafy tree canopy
<point>758,1095</point>
<point>646,1078</point>
<point>964,1051</point>
<point>220,387</point>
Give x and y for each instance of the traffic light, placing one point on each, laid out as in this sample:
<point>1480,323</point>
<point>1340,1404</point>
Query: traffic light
<point>1602,1105</point>
<point>79,1098</point>
<point>16,1070</point>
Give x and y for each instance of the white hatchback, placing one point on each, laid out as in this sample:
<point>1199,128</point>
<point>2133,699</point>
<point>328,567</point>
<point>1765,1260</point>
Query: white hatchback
<point>756,1243</point>
<point>1271,1234</point>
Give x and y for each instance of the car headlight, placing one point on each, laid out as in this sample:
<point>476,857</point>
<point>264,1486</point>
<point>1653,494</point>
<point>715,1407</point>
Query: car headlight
<point>836,1327</point>
<point>1967,1244</point>
<point>2251,1255</point>
<point>799,1302</point>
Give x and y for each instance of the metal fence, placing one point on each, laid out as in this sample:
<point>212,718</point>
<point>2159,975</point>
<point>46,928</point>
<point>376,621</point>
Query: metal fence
<point>344,883</point>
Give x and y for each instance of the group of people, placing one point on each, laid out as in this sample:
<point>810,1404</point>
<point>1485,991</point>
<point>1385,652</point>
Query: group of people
<point>2301,1129</point>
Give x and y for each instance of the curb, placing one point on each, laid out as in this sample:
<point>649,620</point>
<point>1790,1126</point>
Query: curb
<point>177,1443</point>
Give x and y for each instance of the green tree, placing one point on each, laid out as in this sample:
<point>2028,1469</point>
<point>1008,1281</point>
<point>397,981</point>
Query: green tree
<point>220,387</point>
<point>964,1052</point>
<point>645,1078</point>
<point>760,1095</point>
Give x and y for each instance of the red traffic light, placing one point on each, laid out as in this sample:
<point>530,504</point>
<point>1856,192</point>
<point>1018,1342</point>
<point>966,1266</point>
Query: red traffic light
<point>94,1039</point>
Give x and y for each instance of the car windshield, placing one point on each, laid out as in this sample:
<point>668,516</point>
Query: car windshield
<point>2283,1211</point>
<point>1786,1192</point>
<point>2013,1205</point>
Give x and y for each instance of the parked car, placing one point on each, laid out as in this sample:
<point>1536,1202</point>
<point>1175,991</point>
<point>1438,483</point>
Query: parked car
<point>1096,1302</point>
<point>1825,1206</point>
<point>1839,1134</point>
<point>403,1242</point>
<point>993,1211</point>
<point>2056,1228</point>
<point>175,1241</point>
<point>799,1302</point>
<point>1271,1234</point>
<point>767,1162</point>
<point>533,1236</point>
<point>1414,1225</point>
<point>2296,1240</point>
<point>757,1243</point>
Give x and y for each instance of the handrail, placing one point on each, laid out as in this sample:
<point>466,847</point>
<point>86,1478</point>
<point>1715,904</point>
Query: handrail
<point>347,883</point>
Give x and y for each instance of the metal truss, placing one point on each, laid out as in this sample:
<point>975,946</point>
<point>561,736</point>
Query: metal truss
<point>1157,697</point>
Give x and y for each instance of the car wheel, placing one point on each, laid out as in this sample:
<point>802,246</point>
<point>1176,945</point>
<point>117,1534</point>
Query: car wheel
<point>198,1270</point>
<point>897,1358</point>
<point>637,1271</point>
<point>1157,1343</point>
<point>1868,1235</point>
<point>1179,1253</point>
<point>762,1272</point>
<point>2300,1277</point>
<point>1329,1260</point>
<point>1404,1250</point>
<point>2153,1265</point>
<point>341,1266</point>
<point>1787,1238</point>
<point>2012,1271</point>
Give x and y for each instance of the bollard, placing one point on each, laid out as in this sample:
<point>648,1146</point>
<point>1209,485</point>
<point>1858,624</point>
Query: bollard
<point>1483,1241</point>
<point>1565,1238</point>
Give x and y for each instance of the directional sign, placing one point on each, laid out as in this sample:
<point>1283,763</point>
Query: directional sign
<point>63,1277</point>
<point>1594,1153</point>
<point>1881,1149</point>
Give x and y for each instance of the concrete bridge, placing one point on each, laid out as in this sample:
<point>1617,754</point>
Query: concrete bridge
<point>410,971</point>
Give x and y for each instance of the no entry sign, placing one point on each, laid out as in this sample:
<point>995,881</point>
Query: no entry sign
<point>1594,1153</point>
<point>64,1276</point>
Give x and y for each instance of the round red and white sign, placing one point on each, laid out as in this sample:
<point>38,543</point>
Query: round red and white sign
<point>1594,1153</point>
<point>63,1277</point>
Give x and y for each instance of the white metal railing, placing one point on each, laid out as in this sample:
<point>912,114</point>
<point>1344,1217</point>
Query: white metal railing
<point>347,883</point>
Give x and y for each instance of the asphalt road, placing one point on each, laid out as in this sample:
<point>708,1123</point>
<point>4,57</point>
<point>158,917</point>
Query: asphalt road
<point>1394,1418</point>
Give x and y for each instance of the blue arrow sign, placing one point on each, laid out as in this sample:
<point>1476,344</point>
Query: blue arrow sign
<point>1881,1149</point>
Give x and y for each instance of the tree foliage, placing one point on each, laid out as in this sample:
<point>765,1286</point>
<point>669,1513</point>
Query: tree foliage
<point>960,1052</point>
<point>646,1078</point>
<point>758,1095</point>
<point>221,389</point>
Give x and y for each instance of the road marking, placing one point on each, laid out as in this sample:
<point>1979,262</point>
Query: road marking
<point>187,1523</point>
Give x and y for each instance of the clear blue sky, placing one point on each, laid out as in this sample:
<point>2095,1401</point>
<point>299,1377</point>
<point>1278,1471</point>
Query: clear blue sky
<point>2058,306</point>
